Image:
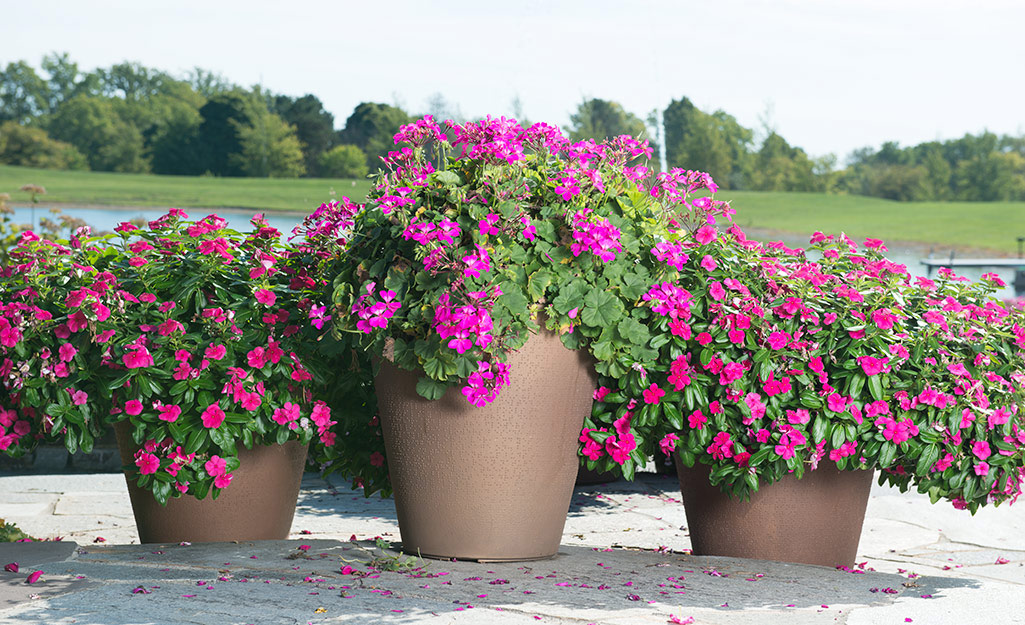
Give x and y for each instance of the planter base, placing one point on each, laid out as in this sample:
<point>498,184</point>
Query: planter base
<point>488,484</point>
<point>814,520</point>
<point>258,505</point>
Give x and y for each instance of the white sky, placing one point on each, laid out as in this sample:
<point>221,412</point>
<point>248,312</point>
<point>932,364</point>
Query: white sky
<point>837,74</point>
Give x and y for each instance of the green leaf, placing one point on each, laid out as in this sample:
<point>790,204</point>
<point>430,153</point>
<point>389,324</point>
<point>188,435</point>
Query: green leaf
<point>601,308</point>
<point>634,331</point>
<point>886,454</point>
<point>875,386</point>
<point>196,441</point>
<point>538,282</point>
<point>839,436</point>
<point>430,389</point>
<point>857,382</point>
<point>673,415</point>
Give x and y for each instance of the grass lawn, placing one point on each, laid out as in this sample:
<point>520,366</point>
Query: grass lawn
<point>980,226</point>
<point>87,188</point>
<point>991,226</point>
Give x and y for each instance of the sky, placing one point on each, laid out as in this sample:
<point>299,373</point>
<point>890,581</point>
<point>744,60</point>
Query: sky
<point>830,76</point>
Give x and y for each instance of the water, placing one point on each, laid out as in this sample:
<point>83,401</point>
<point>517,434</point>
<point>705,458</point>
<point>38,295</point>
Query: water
<point>107,218</point>
<point>102,219</point>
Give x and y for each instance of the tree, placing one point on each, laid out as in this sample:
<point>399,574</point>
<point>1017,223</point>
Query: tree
<point>314,126</point>
<point>32,147</point>
<point>218,136</point>
<point>780,167</point>
<point>602,119</point>
<point>207,83</point>
<point>24,96</point>
<point>343,161</point>
<point>269,147</point>
<point>695,141</point>
<point>92,125</point>
<point>66,80</point>
<point>132,81</point>
<point>371,127</point>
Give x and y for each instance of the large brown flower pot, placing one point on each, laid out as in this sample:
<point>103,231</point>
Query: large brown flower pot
<point>814,520</point>
<point>491,483</point>
<point>259,504</point>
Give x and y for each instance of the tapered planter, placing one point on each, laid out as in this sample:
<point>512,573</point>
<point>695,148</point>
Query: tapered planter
<point>258,505</point>
<point>491,483</point>
<point>814,520</point>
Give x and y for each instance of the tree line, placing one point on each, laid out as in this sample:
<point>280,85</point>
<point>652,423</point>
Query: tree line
<point>131,118</point>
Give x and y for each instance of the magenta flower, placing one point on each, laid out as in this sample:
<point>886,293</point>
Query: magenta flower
<point>652,394</point>
<point>708,263</point>
<point>266,297</point>
<point>147,463</point>
<point>874,366</point>
<point>33,577</point>
<point>705,235</point>
<point>222,481</point>
<point>215,352</point>
<point>213,416</point>
<point>170,413</point>
<point>981,450</point>
<point>287,414</point>
<point>78,397</point>
<point>981,469</point>
<point>133,407</point>
<point>697,420</point>
<point>668,443</point>
<point>137,358</point>
<point>67,352</point>
<point>377,459</point>
<point>215,466</point>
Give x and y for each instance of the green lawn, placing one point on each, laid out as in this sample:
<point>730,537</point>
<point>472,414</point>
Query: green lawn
<point>991,226</point>
<point>81,187</point>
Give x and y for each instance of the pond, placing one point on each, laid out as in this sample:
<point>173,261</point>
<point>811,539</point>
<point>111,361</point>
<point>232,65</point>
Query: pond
<point>108,218</point>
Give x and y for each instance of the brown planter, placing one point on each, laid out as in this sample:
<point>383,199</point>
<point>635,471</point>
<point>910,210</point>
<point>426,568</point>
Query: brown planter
<point>258,505</point>
<point>814,520</point>
<point>491,483</point>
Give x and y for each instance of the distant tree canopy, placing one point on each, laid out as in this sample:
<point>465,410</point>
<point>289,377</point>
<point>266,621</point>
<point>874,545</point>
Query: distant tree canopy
<point>132,118</point>
<point>601,119</point>
<point>371,128</point>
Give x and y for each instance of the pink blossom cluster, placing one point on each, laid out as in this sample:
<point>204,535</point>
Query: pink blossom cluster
<point>463,326</point>
<point>671,254</point>
<point>483,385</point>
<point>421,132</point>
<point>374,309</point>
<point>669,300</point>
<point>424,233</point>
<point>326,228</point>
<point>596,235</point>
<point>490,139</point>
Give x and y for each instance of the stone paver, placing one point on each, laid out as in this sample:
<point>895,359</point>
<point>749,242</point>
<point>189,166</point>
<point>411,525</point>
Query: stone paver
<point>624,560</point>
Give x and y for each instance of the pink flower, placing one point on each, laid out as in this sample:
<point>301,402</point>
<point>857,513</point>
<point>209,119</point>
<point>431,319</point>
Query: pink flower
<point>215,352</point>
<point>704,338</point>
<point>798,417</point>
<point>133,407</point>
<point>705,235</point>
<point>777,340</point>
<point>708,263</point>
<point>78,397</point>
<point>697,420</point>
<point>377,459</point>
<point>169,327</point>
<point>266,297</point>
<point>668,443</point>
<point>652,394</point>
<point>837,403</point>
<point>721,447</point>
<point>213,416</point>
<point>981,450</point>
<point>33,577</point>
<point>600,393</point>
<point>147,463</point>
<point>137,358</point>
<point>216,466</point>
<point>981,469</point>
<point>256,358</point>
<point>286,414</point>
<point>67,352</point>
<point>222,481</point>
<point>251,401</point>
<point>171,414</point>
<point>874,366</point>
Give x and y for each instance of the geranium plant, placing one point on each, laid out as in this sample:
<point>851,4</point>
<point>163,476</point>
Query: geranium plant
<point>184,331</point>
<point>445,271</point>
<point>774,360</point>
